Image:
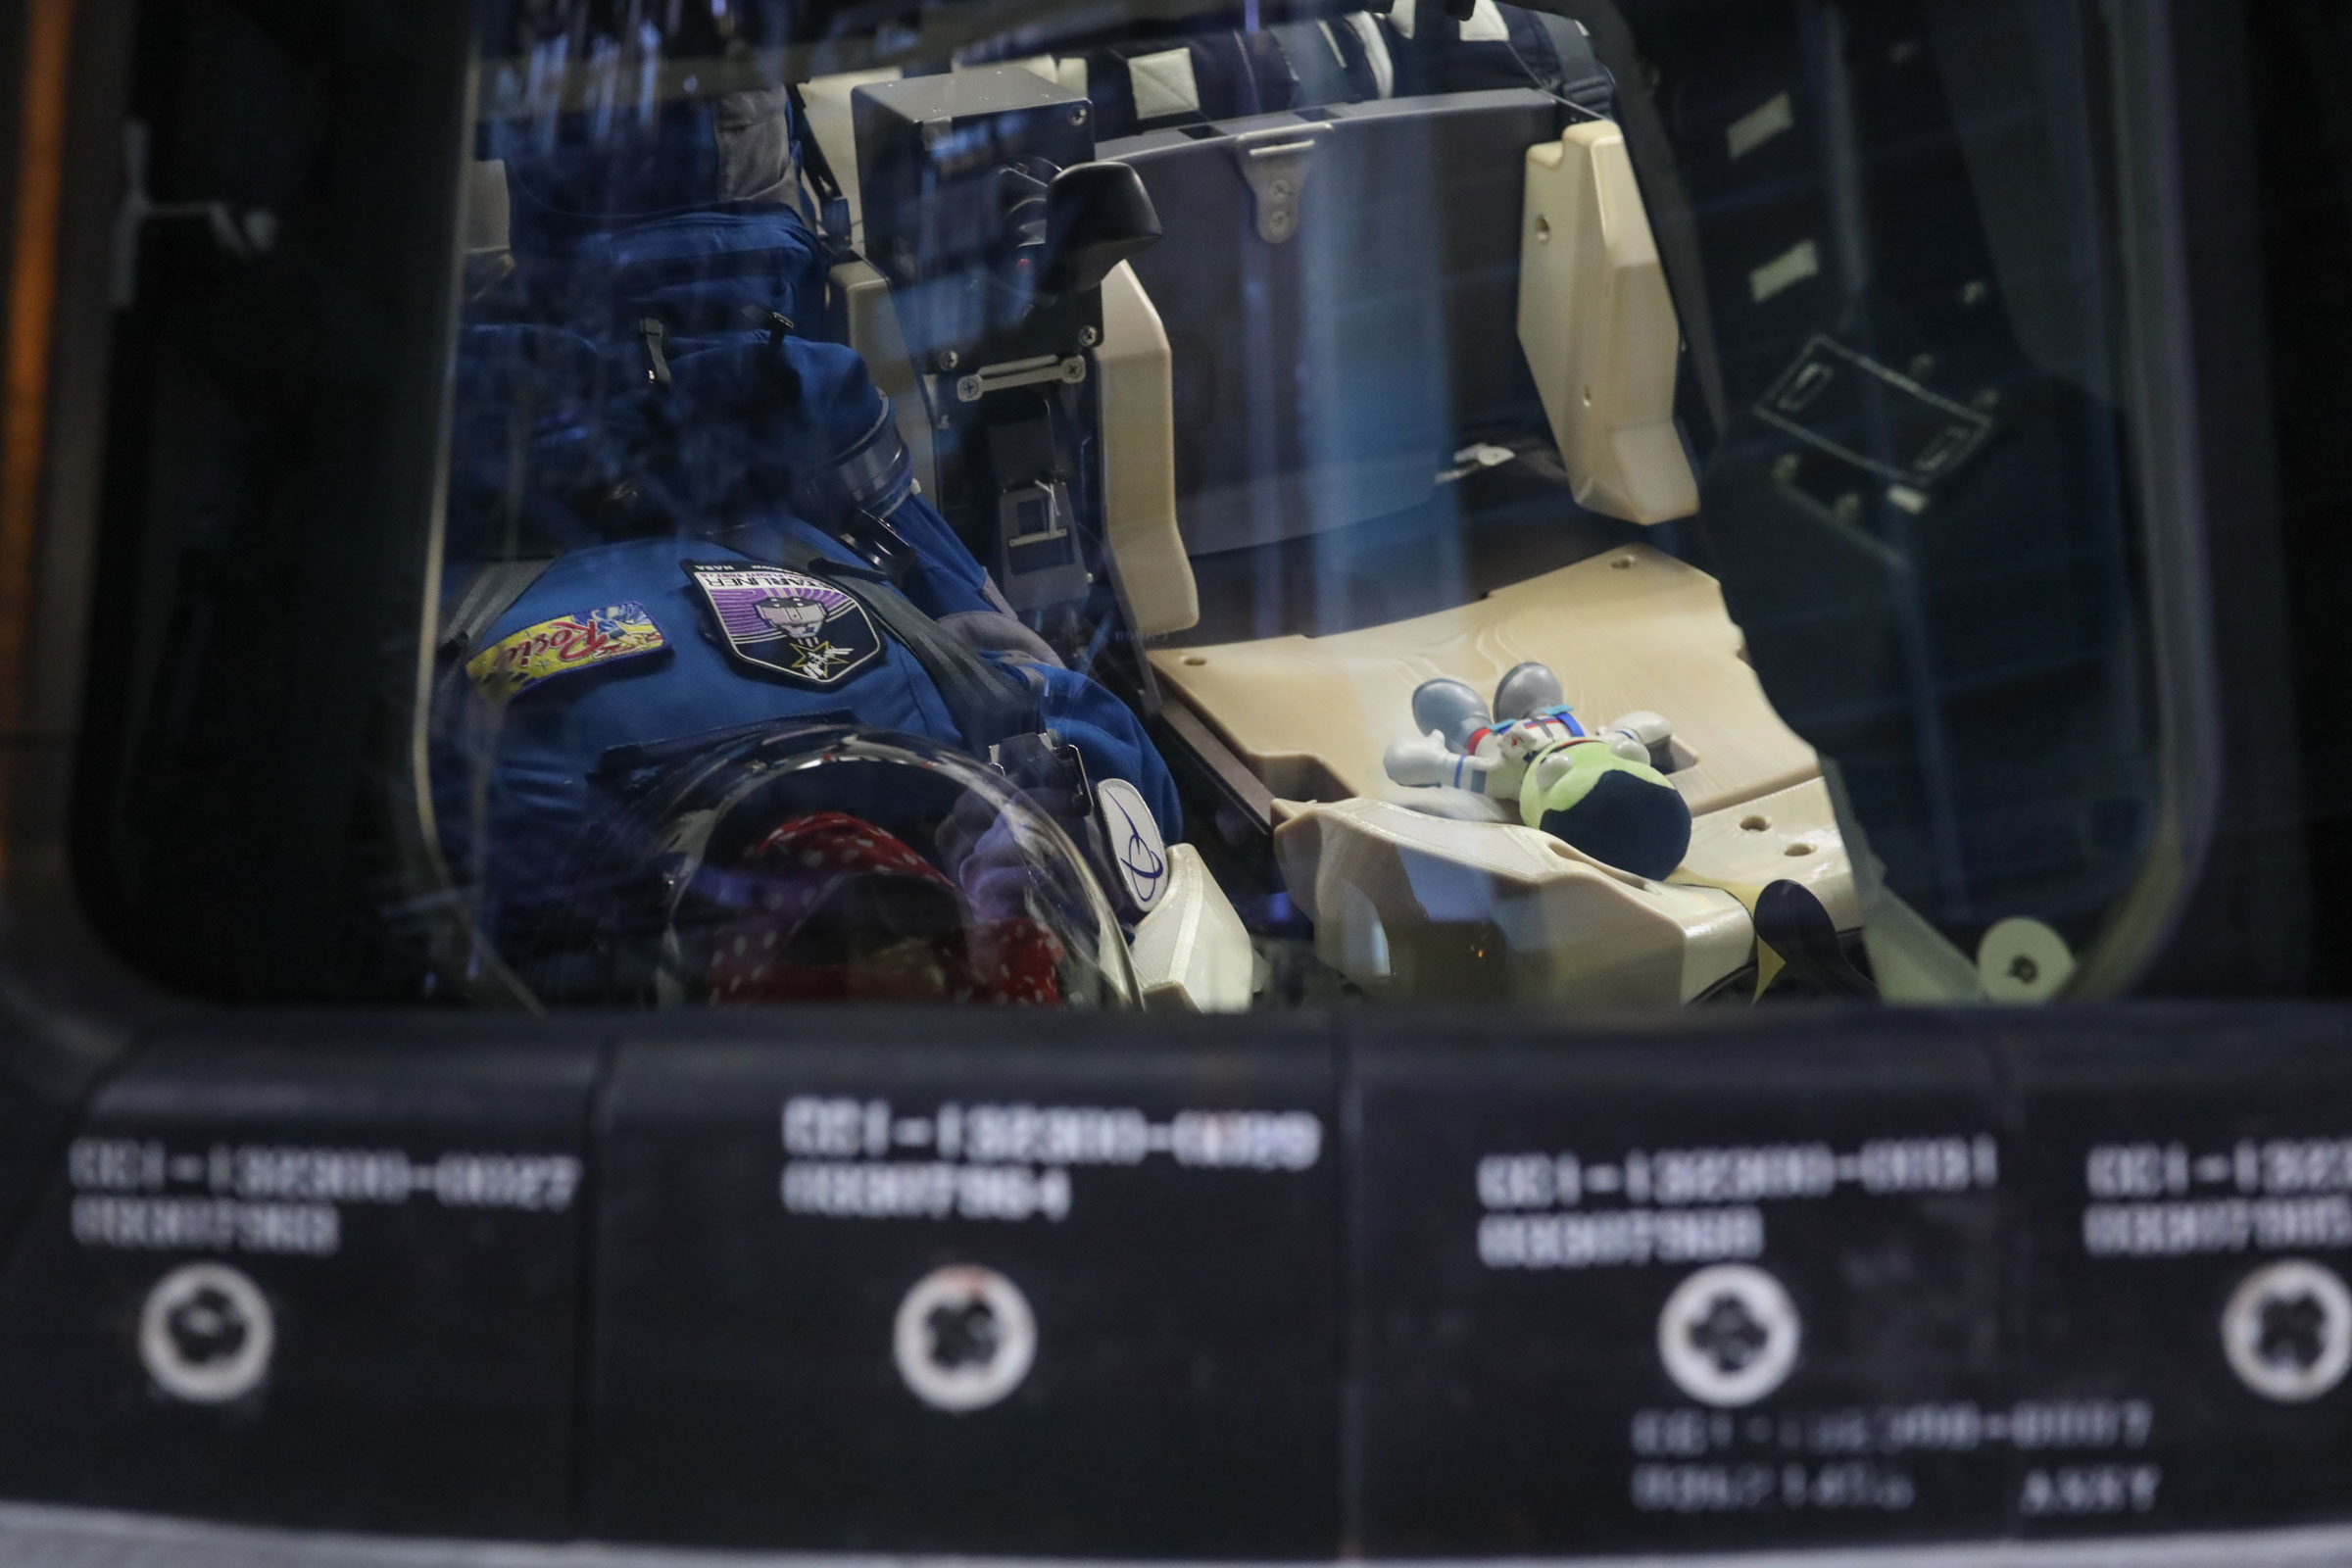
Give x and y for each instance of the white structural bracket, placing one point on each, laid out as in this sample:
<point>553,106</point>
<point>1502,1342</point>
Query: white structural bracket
<point>1021,372</point>
<point>1598,328</point>
<point>1275,164</point>
<point>245,237</point>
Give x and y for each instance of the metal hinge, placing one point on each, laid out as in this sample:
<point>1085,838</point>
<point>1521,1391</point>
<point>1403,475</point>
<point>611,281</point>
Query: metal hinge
<point>251,235</point>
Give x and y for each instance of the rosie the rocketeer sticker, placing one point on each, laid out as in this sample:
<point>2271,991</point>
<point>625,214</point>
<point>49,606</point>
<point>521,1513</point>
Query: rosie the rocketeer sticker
<point>785,623</point>
<point>587,639</point>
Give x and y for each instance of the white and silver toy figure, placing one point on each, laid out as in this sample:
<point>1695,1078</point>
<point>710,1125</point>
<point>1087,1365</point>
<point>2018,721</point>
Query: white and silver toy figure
<point>1601,791</point>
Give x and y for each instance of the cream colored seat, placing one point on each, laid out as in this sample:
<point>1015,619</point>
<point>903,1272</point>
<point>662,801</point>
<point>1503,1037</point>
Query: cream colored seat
<point>1439,893</point>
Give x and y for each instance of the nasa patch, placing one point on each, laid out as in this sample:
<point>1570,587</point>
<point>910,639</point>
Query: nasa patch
<point>1132,843</point>
<point>787,624</point>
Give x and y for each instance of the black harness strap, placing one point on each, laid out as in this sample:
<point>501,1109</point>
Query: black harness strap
<point>494,588</point>
<point>489,595</point>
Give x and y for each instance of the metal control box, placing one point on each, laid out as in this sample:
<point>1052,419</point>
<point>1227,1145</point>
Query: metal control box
<point>953,171</point>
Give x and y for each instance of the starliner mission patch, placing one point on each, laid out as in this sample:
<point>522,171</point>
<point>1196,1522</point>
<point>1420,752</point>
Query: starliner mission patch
<point>787,624</point>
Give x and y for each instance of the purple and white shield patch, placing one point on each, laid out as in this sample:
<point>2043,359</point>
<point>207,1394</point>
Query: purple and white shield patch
<point>785,622</point>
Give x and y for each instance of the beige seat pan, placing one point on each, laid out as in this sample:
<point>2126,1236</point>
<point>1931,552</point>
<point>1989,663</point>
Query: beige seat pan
<point>1629,630</point>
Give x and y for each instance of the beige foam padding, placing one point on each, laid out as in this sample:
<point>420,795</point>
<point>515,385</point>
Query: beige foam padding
<point>1138,459</point>
<point>1418,908</point>
<point>1192,953</point>
<point>1629,630</point>
<point>1790,835</point>
<point>1598,328</point>
<point>1035,65</point>
<point>1163,84</point>
<point>485,218</point>
<point>1486,24</point>
<point>1068,71</point>
<point>873,327</point>
<point>825,100</point>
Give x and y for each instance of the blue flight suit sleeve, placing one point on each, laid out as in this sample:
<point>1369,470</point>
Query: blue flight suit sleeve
<point>945,580</point>
<point>1109,736</point>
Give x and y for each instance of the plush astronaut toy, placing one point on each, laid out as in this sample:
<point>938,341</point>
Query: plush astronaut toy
<point>1600,791</point>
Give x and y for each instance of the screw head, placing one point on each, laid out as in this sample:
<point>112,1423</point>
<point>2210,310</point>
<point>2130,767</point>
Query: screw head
<point>1088,337</point>
<point>2287,1331</point>
<point>949,359</point>
<point>207,1333</point>
<point>2023,961</point>
<point>1729,1335</point>
<point>963,1337</point>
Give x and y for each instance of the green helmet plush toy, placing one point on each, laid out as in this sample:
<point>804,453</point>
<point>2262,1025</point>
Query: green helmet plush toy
<point>1602,792</point>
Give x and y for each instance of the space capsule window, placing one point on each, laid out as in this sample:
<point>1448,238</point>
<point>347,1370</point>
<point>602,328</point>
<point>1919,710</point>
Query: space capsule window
<point>681,503</point>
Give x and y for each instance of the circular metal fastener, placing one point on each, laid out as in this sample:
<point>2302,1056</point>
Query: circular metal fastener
<point>2022,960</point>
<point>207,1333</point>
<point>2287,1330</point>
<point>949,359</point>
<point>1729,1335</point>
<point>964,1338</point>
<point>1088,337</point>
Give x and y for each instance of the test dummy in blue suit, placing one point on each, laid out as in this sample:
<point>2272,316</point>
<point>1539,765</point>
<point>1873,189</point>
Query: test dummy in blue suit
<point>637,400</point>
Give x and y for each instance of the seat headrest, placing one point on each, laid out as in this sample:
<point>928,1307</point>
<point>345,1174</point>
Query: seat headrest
<point>591,170</point>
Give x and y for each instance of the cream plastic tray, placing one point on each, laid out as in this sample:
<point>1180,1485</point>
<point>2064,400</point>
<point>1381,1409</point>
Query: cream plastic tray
<point>1629,630</point>
<point>1411,905</point>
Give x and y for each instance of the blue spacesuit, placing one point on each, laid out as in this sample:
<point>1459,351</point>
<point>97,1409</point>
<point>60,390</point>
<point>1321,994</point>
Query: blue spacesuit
<point>733,530</point>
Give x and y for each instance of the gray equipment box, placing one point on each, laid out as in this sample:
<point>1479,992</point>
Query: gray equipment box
<point>1375,241</point>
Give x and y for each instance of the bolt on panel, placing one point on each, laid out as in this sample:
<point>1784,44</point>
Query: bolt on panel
<point>969,1283</point>
<point>1627,1294</point>
<point>308,1276</point>
<point>2188,1247</point>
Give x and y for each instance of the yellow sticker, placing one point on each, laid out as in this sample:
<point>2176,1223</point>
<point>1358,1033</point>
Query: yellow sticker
<point>572,642</point>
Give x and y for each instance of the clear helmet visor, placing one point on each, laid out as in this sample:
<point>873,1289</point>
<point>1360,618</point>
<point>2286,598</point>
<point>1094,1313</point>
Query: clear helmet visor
<point>845,864</point>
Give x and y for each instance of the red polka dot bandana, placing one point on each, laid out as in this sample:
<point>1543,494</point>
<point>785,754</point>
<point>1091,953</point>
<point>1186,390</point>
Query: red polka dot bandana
<point>798,870</point>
